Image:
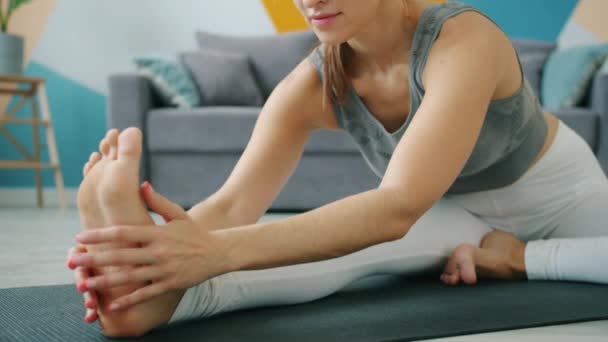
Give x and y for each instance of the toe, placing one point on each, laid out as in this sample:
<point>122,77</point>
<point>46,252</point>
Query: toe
<point>129,144</point>
<point>93,159</point>
<point>86,169</point>
<point>451,273</point>
<point>104,147</point>
<point>464,257</point>
<point>113,141</point>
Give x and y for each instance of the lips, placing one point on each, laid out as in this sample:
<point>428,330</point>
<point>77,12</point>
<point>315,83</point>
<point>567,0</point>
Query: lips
<point>323,20</point>
<point>323,16</point>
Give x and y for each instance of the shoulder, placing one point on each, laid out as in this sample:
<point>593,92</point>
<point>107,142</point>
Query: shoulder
<point>469,36</point>
<point>302,90</point>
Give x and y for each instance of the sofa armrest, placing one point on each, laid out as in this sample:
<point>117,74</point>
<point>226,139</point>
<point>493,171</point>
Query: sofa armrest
<point>599,103</point>
<point>130,98</point>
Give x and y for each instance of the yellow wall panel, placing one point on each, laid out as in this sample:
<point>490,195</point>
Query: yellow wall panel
<point>285,15</point>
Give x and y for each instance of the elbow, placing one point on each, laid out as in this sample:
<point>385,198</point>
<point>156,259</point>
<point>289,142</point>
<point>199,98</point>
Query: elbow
<point>398,230</point>
<point>402,217</point>
<point>401,223</point>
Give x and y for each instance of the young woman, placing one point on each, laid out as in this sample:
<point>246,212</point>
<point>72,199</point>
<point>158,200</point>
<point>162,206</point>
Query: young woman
<point>473,173</point>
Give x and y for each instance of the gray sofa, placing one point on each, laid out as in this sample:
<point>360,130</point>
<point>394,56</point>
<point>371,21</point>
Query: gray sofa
<point>189,153</point>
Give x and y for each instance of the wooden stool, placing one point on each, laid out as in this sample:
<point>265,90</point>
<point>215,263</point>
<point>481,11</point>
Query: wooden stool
<point>35,88</point>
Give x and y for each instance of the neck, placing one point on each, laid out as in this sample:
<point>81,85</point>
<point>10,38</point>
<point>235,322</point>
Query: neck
<point>388,37</point>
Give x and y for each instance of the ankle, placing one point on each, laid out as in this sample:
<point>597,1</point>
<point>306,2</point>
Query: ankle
<point>517,262</point>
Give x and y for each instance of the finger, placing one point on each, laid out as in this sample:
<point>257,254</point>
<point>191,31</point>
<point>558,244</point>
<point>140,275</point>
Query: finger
<point>119,278</point>
<point>139,296</point>
<point>90,316</point>
<point>117,234</point>
<point>90,297</point>
<point>89,303</point>
<point>73,252</point>
<point>93,300</point>
<point>116,257</point>
<point>159,204</point>
<point>71,257</point>
<point>76,249</point>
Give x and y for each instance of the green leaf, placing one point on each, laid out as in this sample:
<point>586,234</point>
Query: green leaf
<point>14,4</point>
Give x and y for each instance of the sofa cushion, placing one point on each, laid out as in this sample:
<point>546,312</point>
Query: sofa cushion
<point>223,78</point>
<point>223,129</point>
<point>272,56</point>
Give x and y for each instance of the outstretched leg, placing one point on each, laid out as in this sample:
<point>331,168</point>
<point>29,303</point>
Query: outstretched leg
<point>424,249</point>
<point>109,195</point>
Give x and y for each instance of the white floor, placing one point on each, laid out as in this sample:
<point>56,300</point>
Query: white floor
<point>34,244</point>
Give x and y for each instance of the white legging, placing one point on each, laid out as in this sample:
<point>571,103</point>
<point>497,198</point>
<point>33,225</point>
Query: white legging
<point>563,197</point>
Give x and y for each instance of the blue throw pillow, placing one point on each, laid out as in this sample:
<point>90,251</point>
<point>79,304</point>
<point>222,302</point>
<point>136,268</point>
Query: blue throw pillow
<point>170,79</point>
<point>568,73</point>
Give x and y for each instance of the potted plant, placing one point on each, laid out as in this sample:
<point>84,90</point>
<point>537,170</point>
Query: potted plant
<point>11,46</point>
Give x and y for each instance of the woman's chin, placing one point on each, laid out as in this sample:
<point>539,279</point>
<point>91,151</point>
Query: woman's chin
<point>329,38</point>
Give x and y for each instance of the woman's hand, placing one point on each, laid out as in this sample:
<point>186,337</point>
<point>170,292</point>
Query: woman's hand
<point>175,256</point>
<point>81,274</point>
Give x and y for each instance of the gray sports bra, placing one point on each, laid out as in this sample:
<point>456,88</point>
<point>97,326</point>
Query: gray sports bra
<point>513,132</point>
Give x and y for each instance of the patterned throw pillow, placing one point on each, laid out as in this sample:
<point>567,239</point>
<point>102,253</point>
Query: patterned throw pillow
<point>170,79</point>
<point>568,74</point>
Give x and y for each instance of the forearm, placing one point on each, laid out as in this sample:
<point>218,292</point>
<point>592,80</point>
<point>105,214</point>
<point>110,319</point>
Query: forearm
<point>336,229</point>
<point>214,213</point>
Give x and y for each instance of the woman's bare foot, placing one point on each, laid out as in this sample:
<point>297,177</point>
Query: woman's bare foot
<point>109,195</point>
<point>499,257</point>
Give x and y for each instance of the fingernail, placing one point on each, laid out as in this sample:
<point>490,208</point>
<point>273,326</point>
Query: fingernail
<point>79,237</point>
<point>113,307</point>
<point>91,283</point>
<point>82,287</point>
<point>148,186</point>
<point>89,304</point>
<point>88,316</point>
<point>71,264</point>
<point>76,260</point>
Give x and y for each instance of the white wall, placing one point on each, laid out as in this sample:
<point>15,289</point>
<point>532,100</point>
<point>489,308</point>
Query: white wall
<point>86,40</point>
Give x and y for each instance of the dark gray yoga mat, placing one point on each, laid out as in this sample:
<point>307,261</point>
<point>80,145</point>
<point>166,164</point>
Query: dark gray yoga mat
<point>397,309</point>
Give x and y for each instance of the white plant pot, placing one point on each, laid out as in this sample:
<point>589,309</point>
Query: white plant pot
<point>11,54</point>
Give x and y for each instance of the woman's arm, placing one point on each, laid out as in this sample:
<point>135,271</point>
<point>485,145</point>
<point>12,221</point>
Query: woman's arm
<point>333,230</point>
<point>460,79</point>
<point>291,113</point>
